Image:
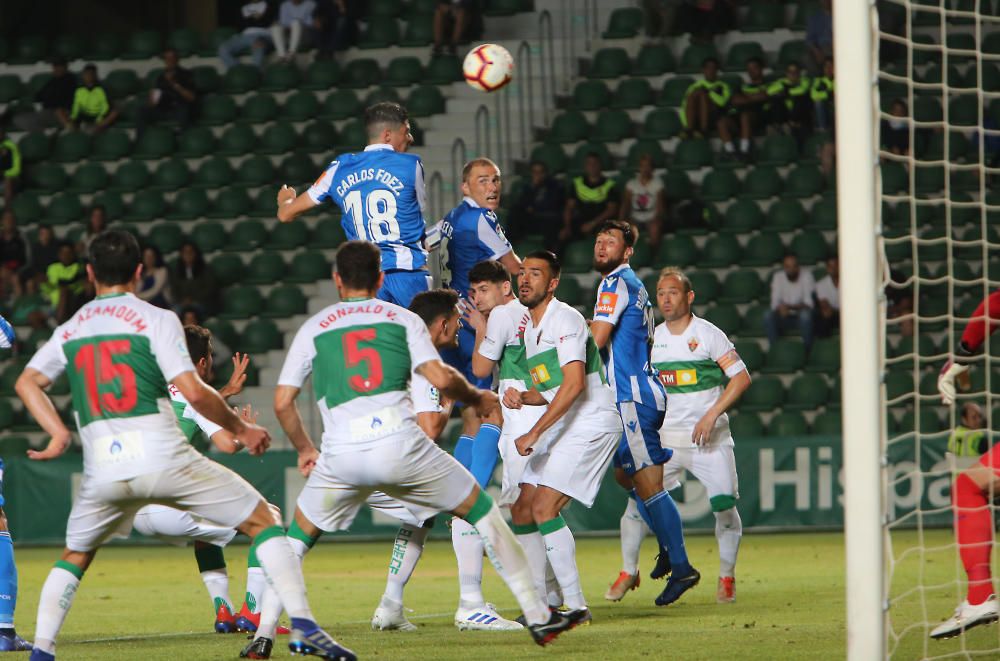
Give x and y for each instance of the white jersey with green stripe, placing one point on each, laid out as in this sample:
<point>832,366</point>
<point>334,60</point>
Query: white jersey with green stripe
<point>360,354</point>
<point>119,354</point>
<point>692,367</point>
<point>504,345</point>
<point>560,338</point>
<point>197,429</point>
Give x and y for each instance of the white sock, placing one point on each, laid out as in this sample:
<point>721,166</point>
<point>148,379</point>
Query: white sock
<point>256,584</point>
<point>283,568</point>
<point>744,144</point>
<point>468,546</point>
<point>270,602</point>
<point>53,605</point>
<point>534,548</point>
<point>217,583</point>
<point>730,147</point>
<point>553,593</point>
<point>406,551</point>
<point>560,547</point>
<point>728,531</point>
<point>633,530</point>
<point>510,561</point>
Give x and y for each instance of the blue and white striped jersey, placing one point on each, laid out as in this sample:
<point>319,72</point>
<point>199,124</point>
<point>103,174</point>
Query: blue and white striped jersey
<point>469,235</point>
<point>381,194</point>
<point>622,300</point>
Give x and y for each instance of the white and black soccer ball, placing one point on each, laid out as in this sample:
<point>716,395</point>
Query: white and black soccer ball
<point>488,67</point>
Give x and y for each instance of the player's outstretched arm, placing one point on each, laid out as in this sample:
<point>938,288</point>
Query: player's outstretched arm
<point>291,423</point>
<point>238,378</point>
<point>30,387</point>
<point>224,441</point>
<point>734,390</point>
<point>208,402</point>
<point>573,384</point>
<point>453,385</point>
<point>291,206</point>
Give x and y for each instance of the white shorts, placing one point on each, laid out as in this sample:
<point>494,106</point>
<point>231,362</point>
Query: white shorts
<point>177,527</point>
<point>513,469</point>
<point>713,465</point>
<point>408,467</point>
<point>208,490</point>
<point>573,465</point>
<point>394,508</point>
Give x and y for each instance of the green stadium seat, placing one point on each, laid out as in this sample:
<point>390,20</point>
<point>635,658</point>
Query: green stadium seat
<point>504,7</point>
<point>827,423</point>
<point>632,94</point>
<point>694,55</point>
<point>590,95</point>
<point>257,171</point>
<point>443,69</point>
<point>259,108</point>
<point>280,77</point>
<point>278,138</point>
<point>380,34</point>
<point>327,234</point>
<point>166,237</point>
<point>353,136</point>
<point>248,235</point>
<point>156,142</point>
<point>763,16</point>
<point>29,50</point>
<point>751,353</point>
<point>360,73</point>
<point>321,75</point>
<point>785,356</point>
<point>142,45</point>
<point>237,140</point>
<point>35,147</point>
<point>210,237</point>
<point>229,269</point>
<point>927,109</point>
<point>766,394</point>
<point>793,51</point>
<point>241,79</point>
<point>929,422</point>
<point>803,11</point>
<point>199,141</point>
<point>230,203</point>
<point>569,291</point>
<point>777,150</point>
<point>803,181</point>
<point>612,126</point>
<point>673,92</point>
<point>288,235</point>
<point>825,356</point>
<point>320,136</point>
<point>719,186</point>
<point>610,63</point>
<point>823,215</point>
<point>185,40</point>
<point>206,79</point>
<point>425,101</point>
<point>64,208</point>
<point>190,203</point>
<point>298,169</point>
<point>27,208</point>
<point>11,88</point>
<point>214,172</point>
<point>403,71</point>
<point>645,147</point>
<point>552,156</point>
<point>71,147</point>
<point>47,176</point>
<point>419,31</point>
<point>740,286</point>
<point>241,302</point>
<point>894,178</point>
<point>705,285</point>
<point>301,106</point>
<point>285,301</point>
<point>740,52</point>
<point>570,126</point>
<point>661,124</point>
<point>265,268</point>
<point>722,250</point>
<point>104,46</point>
<point>68,45</point>
<point>654,60</point>
<point>677,185</point>
<point>217,109</point>
<point>587,148</point>
<point>624,23</point>
<point>171,175</point>
<point>310,266</point>
<point>578,256</point>
<point>88,178</point>
<point>130,177</point>
<point>121,83</point>
<point>788,423</point>
<point>746,425</point>
<point>724,315</point>
<point>385,9</point>
<point>810,247</point>
<point>761,183</point>
<point>381,94</point>
<point>763,249</point>
<point>692,154</point>
<point>642,254</point>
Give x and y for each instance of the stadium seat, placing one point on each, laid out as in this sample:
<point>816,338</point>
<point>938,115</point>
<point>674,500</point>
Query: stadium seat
<point>71,147</point>
<point>425,101</point>
<point>310,266</point>
<point>692,154</point>
<point>645,147</point>
<point>552,156</point>
<point>569,291</point>
<point>206,79</point>
<point>764,249</point>
<point>47,176</point>
<point>740,52</point>
<point>570,126</point>
<point>678,250</point>
<point>260,336</point>
<point>642,254</point>
<point>654,60</point>
<point>379,34</point>
<point>792,51</point>
<point>590,95</point>
<point>578,256</point>
<point>156,142</point>
<point>230,204</point>
<point>64,208</point>
<point>167,237</point>
<point>228,269</point>
<point>130,177</point>
<point>677,185</point>
<point>788,423</point>
<point>104,46</point>
<point>746,425</point>
<point>259,108</point>
<point>809,246</point>
<point>361,73</point>
<point>443,69</point>
<point>894,178</point>
<point>288,235</point>
<point>237,140</point>
<point>719,186</point>
<point>241,302</point>
<point>751,353</point>
<point>217,109</point>
<point>247,236</point>
<point>624,23</point>
<point>29,50</point>
<point>612,126</point>
<point>280,77</point>
<point>11,88</point>
<point>185,40</point>
<point>264,269</point>
<point>321,75</point>
<point>284,302</point>
<point>210,237</point>
<point>68,45</point>
<point>27,207</point>
<point>722,250</point>
<point>120,83</point>
<point>241,79</point>
<point>190,203</point>
<point>171,175</point>
<point>300,106</point>
<point>298,169</point>
<point>778,150</point>
<point>142,45</point>
<point>753,321</point>
<point>199,141</point>
<point>827,423</point>
<point>385,9</point>
<point>740,286</point>
<point>694,55</point>
<point>785,356</point>
<point>632,94</point>
<point>767,394</point>
<point>353,136</point>
<point>584,150</point>
<point>35,147</point>
<point>823,215</point>
<point>661,124</point>
<point>761,182</point>
<point>88,178</point>
<point>214,172</point>
<point>403,71</point>
<point>256,171</point>
<point>610,63</point>
<point>327,234</point>
<point>927,109</point>
<point>278,138</point>
<point>724,315</point>
<point>674,89</point>
<point>381,94</point>
<point>340,104</point>
<point>419,31</point>
<point>803,181</point>
<point>705,285</point>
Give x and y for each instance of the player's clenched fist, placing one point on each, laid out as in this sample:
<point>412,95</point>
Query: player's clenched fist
<point>286,194</point>
<point>512,398</point>
<point>488,403</point>
<point>255,439</point>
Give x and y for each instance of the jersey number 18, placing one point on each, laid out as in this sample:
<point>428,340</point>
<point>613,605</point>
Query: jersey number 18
<point>378,214</point>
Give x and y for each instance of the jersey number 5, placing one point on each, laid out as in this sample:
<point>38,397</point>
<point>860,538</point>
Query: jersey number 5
<point>106,373</point>
<point>355,356</point>
<point>378,215</point>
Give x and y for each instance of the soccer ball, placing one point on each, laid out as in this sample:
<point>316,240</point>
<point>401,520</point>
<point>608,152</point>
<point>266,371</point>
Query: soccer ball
<point>488,67</point>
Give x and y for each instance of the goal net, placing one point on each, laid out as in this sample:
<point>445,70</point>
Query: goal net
<point>937,67</point>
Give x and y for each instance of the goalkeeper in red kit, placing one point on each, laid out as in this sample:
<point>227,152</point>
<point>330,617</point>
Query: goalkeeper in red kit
<point>974,488</point>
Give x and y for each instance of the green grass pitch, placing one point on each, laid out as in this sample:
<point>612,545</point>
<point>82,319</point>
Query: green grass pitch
<point>149,603</point>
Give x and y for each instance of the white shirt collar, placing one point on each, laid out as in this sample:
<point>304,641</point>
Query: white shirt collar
<point>472,203</point>
<point>380,145</point>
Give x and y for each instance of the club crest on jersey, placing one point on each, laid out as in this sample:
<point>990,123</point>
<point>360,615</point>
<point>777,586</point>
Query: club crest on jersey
<point>678,377</point>
<point>606,302</point>
<point>692,344</point>
<point>539,374</point>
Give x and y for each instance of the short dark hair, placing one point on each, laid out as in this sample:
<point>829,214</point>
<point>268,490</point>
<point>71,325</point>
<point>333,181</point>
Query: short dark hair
<point>540,163</point>
<point>115,256</point>
<point>358,264</point>
<point>549,258</point>
<point>429,305</point>
<point>198,341</point>
<point>385,112</point>
<point>488,270</point>
<point>756,60</point>
<point>710,60</point>
<point>594,154</point>
<point>90,66</point>
<point>629,231</point>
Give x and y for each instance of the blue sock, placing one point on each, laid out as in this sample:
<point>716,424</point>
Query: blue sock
<point>463,450</point>
<point>669,531</point>
<point>485,453</point>
<point>8,581</point>
<point>304,625</point>
<point>644,513</point>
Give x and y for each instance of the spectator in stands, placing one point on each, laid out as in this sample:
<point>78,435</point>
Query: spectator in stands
<point>173,97</point>
<point>97,222</point>
<point>10,166</point>
<point>661,17</point>
<point>44,251</point>
<point>192,282</point>
<point>56,97</point>
<point>791,105</point>
<point>792,292</point>
<point>644,202</point>
<point>751,104</point>
<point>706,18</point>
<point>13,256</point>
<point>296,18</point>
<point>706,106</point>
<point>65,284</point>
<point>828,299</point>
<point>823,89</point>
<point>969,440</point>
<point>896,130</point>
<point>819,34</point>
<point>254,35</point>
<point>457,14</point>
<point>336,24</point>
<point>90,103</point>
<point>190,317</point>
<point>593,198</point>
<point>539,209</point>
<point>152,287</point>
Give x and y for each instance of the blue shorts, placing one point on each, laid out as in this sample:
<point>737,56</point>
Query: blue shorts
<point>461,358</point>
<point>400,287</point>
<point>640,444</point>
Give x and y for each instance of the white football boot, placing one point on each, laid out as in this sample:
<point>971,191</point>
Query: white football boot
<point>389,617</point>
<point>483,618</point>
<point>967,616</point>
